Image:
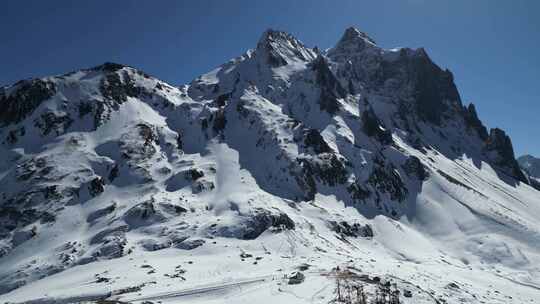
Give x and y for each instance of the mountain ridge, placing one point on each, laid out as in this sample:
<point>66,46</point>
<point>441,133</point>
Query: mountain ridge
<point>319,152</point>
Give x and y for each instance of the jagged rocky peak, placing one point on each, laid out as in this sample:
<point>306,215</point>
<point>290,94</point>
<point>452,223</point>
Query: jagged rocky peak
<point>501,144</point>
<point>281,48</point>
<point>249,151</point>
<point>352,34</point>
<point>352,41</point>
<point>472,120</point>
<point>435,89</point>
<point>531,164</point>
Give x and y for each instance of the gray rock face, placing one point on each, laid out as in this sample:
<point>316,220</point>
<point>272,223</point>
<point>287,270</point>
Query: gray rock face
<point>296,278</point>
<point>26,96</point>
<point>414,167</point>
<point>387,180</point>
<point>330,87</point>
<point>249,227</point>
<point>154,245</point>
<point>278,47</point>
<point>97,186</point>
<point>434,88</point>
<point>190,244</point>
<point>314,140</point>
<point>473,122</point>
<point>531,166</point>
<point>143,214</point>
<point>373,127</point>
<point>500,144</point>
<point>352,230</point>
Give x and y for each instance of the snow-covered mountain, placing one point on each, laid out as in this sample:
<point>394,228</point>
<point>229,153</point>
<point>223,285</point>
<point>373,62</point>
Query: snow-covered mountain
<point>356,161</point>
<point>531,166</point>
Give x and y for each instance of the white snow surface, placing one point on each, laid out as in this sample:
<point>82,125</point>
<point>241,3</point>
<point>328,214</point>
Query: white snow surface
<point>190,175</point>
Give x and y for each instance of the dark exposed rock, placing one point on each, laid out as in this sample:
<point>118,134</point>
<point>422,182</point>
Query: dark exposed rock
<point>373,127</point>
<point>148,134</point>
<point>84,108</point>
<point>276,46</point>
<point>220,121</point>
<point>50,121</point>
<point>154,245</point>
<point>173,209</point>
<point>326,168</point>
<point>112,242</point>
<point>407,293</point>
<point>501,144</point>
<point>202,185</point>
<point>535,183</point>
<point>190,244</point>
<point>134,150</point>
<point>12,218</point>
<point>263,220</point>
<point>305,180</point>
<point>143,214</point>
<point>331,89</point>
<point>352,41</point>
<point>414,167</point>
<point>473,122</point>
<point>251,226</point>
<point>179,141</point>
<point>14,135</point>
<point>112,248</point>
<point>101,213</point>
<point>96,187</point>
<point>204,124</point>
<point>314,140</point>
<point>26,97</point>
<point>109,67</point>
<point>193,174</point>
<point>51,192</point>
<point>296,278</point>
<point>116,89</point>
<point>530,164</point>
<point>358,192</point>
<point>114,173</point>
<point>354,230</point>
<point>434,87</point>
<point>103,235</point>
<point>387,180</point>
<point>221,100</point>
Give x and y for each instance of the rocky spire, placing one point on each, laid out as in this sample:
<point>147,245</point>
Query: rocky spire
<point>353,34</point>
<point>501,144</point>
<point>472,120</point>
<point>352,41</point>
<point>281,48</point>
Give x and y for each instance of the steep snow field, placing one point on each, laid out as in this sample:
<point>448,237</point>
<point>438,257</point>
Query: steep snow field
<point>357,160</point>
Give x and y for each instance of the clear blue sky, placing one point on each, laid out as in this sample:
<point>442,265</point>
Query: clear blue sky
<point>491,46</point>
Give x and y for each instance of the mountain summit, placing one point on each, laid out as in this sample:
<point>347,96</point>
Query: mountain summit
<point>531,165</point>
<point>285,168</point>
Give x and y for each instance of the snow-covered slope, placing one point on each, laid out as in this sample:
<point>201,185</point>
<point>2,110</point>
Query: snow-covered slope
<point>356,161</point>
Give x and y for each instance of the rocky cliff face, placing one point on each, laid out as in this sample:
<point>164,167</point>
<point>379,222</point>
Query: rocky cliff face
<point>531,166</point>
<point>109,162</point>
